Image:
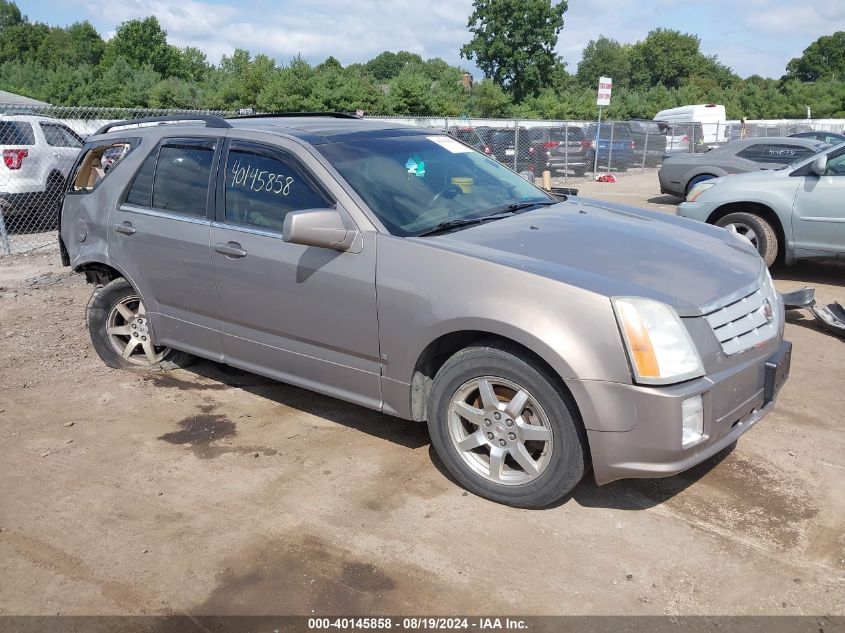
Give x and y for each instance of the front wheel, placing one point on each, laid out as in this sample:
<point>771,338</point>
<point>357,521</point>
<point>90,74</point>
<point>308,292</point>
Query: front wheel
<point>120,331</point>
<point>505,429</point>
<point>756,230</point>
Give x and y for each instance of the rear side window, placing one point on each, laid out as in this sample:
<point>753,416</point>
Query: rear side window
<point>781,154</point>
<point>263,186</point>
<point>752,152</point>
<point>16,133</point>
<point>181,177</point>
<point>60,136</point>
<point>97,162</point>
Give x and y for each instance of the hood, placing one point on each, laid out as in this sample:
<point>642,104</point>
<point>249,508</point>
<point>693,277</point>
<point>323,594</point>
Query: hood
<point>616,250</point>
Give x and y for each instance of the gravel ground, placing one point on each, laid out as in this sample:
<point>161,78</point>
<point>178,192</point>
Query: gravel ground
<point>212,491</point>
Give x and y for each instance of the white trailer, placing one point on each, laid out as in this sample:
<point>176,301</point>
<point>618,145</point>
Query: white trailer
<point>704,123</point>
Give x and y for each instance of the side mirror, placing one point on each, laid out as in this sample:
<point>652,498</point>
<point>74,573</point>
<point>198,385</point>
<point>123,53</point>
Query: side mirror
<point>819,166</point>
<point>323,228</point>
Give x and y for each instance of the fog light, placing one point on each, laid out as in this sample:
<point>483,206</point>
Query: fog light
<point>692,420</point>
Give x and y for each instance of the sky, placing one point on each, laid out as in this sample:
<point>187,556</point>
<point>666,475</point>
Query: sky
<point>751,36</point>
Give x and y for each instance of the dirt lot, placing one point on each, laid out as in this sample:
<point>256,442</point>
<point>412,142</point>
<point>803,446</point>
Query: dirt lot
<point>210,490</point>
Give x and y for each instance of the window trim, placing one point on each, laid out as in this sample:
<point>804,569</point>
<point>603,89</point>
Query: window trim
<point>210,201</point>
<point>274,152</point>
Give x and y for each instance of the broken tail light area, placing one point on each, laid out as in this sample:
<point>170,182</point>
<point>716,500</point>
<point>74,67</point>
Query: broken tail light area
<point>13,158</point>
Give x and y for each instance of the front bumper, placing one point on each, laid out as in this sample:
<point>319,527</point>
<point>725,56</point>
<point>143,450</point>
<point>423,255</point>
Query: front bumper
<point>699,210</point>
<point>635,431</point>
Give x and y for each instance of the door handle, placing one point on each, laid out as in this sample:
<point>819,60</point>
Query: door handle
<point>126,228</point>
<point>232,250</point>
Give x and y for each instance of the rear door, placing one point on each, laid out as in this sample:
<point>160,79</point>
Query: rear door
<point>159,235</point>
<point>818,220</point>
<point>301,314</point>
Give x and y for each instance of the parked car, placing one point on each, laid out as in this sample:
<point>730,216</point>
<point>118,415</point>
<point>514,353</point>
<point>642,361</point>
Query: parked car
<point>680,173</point>
<point>510,150</point>
<point>796,212</point>
<point>683,138</point>
<point>649,142</point>
<point>616,147</point>
<point>405,272</point>
<point>38,153</point>
<point>468,135</point>
<point>560,149</point>
<point>832,138</point>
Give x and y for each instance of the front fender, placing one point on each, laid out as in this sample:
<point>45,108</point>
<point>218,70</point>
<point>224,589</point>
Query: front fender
<point>425,293</point>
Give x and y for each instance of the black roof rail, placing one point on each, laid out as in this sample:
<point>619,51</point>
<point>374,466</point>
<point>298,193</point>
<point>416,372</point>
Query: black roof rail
<point>271,115</point>
<point>210,120</point>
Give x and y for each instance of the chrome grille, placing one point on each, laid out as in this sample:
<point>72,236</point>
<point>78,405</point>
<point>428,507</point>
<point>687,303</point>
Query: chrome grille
<point>744,324</point>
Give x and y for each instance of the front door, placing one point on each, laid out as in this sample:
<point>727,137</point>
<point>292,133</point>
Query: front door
<point>300,314</point>
<point>818,219</point>
<point>159,235</point>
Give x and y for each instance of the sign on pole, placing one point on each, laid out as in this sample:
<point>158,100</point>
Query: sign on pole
<point>605,86</point>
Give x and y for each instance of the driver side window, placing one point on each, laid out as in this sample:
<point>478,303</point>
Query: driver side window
<point>262,187</point>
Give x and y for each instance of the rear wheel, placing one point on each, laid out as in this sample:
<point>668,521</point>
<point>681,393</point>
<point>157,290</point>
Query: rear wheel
<point>504,429</point>
<point>120,332</point>
<point>757,230</point>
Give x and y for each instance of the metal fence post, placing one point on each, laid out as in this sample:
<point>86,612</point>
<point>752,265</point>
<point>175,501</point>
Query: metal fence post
<point>515,145</point>
<point>610,147</point>
<point>4,236</point>
<point>565,151</point>
<point>645,147</point>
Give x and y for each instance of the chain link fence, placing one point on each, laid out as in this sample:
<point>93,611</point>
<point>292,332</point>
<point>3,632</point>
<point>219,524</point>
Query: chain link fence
<point>41,144</point>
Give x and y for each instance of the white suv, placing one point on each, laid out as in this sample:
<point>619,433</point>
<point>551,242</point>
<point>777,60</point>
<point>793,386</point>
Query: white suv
<point>38,152</point>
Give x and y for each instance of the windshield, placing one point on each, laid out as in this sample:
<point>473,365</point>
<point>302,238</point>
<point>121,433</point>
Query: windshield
<point>415,183</point>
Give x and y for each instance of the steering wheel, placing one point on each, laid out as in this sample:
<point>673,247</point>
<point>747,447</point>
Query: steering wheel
<point>455,189</point>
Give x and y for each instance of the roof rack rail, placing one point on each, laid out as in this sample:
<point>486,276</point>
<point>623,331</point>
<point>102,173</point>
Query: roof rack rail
<point>270,115</point>
<point>210,120</point>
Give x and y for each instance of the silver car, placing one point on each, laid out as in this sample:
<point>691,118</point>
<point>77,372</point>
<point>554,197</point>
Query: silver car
<point>797,212</point>
<point>681,172</point>
<point>403,271</point>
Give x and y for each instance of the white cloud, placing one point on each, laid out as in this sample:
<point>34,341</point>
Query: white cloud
<point>753,37</point>
<point>352,32</point>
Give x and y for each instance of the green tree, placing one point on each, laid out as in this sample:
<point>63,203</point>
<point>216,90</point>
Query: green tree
<point>513,42</point>
<point>604,57</point>
<point>143,43</point>
<point>410,93</point>
<point>823,59</point>
<point>489,100</point>
<point>670,57</point>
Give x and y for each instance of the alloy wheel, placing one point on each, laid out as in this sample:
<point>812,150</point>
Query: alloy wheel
<point>129,333</point>
<point>500,430</point>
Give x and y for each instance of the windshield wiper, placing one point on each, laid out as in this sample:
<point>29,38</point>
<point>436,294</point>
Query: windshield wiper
<point>496,214</point>
<point>454,224</point>
<point>519,206</point>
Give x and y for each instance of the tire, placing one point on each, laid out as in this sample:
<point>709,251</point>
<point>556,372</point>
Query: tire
<point>104,312</point>
<point>758,230</point>
<point>695,180</point>
<point>579,171</point>
<point>558,448</point>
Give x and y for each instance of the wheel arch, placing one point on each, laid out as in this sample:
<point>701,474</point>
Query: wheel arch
<point>439,350</point>
<point>709,172</point>
<point>758,208</point>
<point>98,272</point>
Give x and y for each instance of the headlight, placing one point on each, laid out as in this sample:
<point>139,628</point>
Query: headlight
<point>698,189</point>
<point>659,347</point>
